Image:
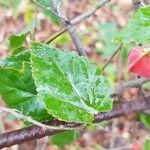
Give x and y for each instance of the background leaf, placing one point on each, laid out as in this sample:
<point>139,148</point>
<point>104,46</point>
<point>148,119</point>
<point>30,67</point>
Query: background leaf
<point>145,118</point>
<point>137,29</point>
<point>72,88</point>
<point>106,32</point>
<point>14,4</point>
<point>29,14</point>
<point>146,145</point>
<point>64,138</point>
<point>47,13</point>
<point>16,41</point>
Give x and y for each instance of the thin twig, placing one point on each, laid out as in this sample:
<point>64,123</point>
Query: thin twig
<point>76,41</point>
<point>88,13</point>
<point>2,127</point>
<point>56,35</point>
<point>72,31</point>
<point>34,27</point>
<point>113,133</point>
<point>112,56</point>
<point>38,144</point>
<point>138,3</point>
<point>18,114</point>
<point>33,132</point>
<point>133,83</point>
<point>45,143</point>
<point>77,20</point>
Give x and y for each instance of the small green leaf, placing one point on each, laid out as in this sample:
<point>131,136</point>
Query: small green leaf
<point>16,41</point>
<point>28,16</point>
<point>145,11</point>
<point>64,138</point>
<point>72,88</point>
<point>106,32</point>
<point>18,89</point>
<point>49,14</point>
<point>15,61</point>
<point>146,144</point>
<point>137,29</point>
<point>145,119</point>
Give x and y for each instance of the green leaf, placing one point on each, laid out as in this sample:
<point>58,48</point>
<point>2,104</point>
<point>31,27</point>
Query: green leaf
<point>15,4</point>
<point>146,13</point>
<point>64,138</point>
<point>146,144</point>
<point>145,119</point>
<point>16,41</point>
<point>15,61</point>
<point>137,29</point>
<point>106,32</point>
<point>28,16</point>
<point>48,14</point>
<point>18,89</point>
<point>72,88</point>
